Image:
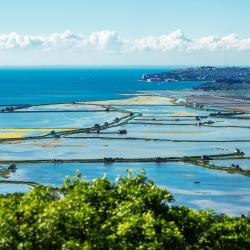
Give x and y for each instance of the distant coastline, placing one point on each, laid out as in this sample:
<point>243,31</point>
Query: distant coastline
<point>212,78</point>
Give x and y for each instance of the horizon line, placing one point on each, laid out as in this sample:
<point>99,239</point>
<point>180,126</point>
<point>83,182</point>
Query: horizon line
<point>123,65</point>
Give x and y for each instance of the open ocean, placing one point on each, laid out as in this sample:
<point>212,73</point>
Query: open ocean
<point>38,85</point>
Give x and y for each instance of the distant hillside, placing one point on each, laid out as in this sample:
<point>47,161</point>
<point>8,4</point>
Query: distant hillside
<point>222,86</point>
<point>214,78</point>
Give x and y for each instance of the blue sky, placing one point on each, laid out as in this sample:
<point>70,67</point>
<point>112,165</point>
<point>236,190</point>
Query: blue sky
<point>125,32</point>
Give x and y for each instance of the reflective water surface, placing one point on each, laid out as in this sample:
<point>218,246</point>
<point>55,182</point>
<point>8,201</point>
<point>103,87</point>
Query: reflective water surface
<point>225,193</point>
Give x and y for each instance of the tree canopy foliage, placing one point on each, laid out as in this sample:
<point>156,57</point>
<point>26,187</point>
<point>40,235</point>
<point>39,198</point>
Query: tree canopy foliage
<point>131,213</point>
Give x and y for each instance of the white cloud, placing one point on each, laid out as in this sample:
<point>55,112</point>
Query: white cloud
<point>173,41</point>
<point>105,40</point>
<point>110,41</point>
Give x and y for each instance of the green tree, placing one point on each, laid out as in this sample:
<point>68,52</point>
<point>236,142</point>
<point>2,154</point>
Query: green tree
<point>132,213</point>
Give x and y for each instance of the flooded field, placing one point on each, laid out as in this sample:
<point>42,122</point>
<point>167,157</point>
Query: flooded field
<point>242,163</point>
<point>138,130</point>
<point>224,192</point>
<point>55,119</point>
<point>81,148</point>
<point>12,188</point>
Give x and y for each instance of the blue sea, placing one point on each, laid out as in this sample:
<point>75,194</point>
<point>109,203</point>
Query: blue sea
<point>38,85</point>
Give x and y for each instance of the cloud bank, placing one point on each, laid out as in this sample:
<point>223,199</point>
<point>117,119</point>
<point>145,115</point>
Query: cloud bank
<point>110,42</point>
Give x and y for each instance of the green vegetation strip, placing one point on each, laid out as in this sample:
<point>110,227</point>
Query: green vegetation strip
<point>230,170</point>
<point>131,213</point>
<point>150,139</point>
<point>188,124</point>
<point>236,118</point>
<point>163,123</point>
<point>196,160</point>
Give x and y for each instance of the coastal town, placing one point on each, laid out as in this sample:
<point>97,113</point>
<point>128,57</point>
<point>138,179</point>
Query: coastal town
<point>211,78</point>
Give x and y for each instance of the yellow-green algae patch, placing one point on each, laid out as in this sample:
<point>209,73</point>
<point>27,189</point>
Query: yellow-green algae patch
<point>176,114</point>
<point>35,129</point>
<point>54,143</point>
<point>138,100</point>
<point>15,133</point>
<point>12,135</point>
